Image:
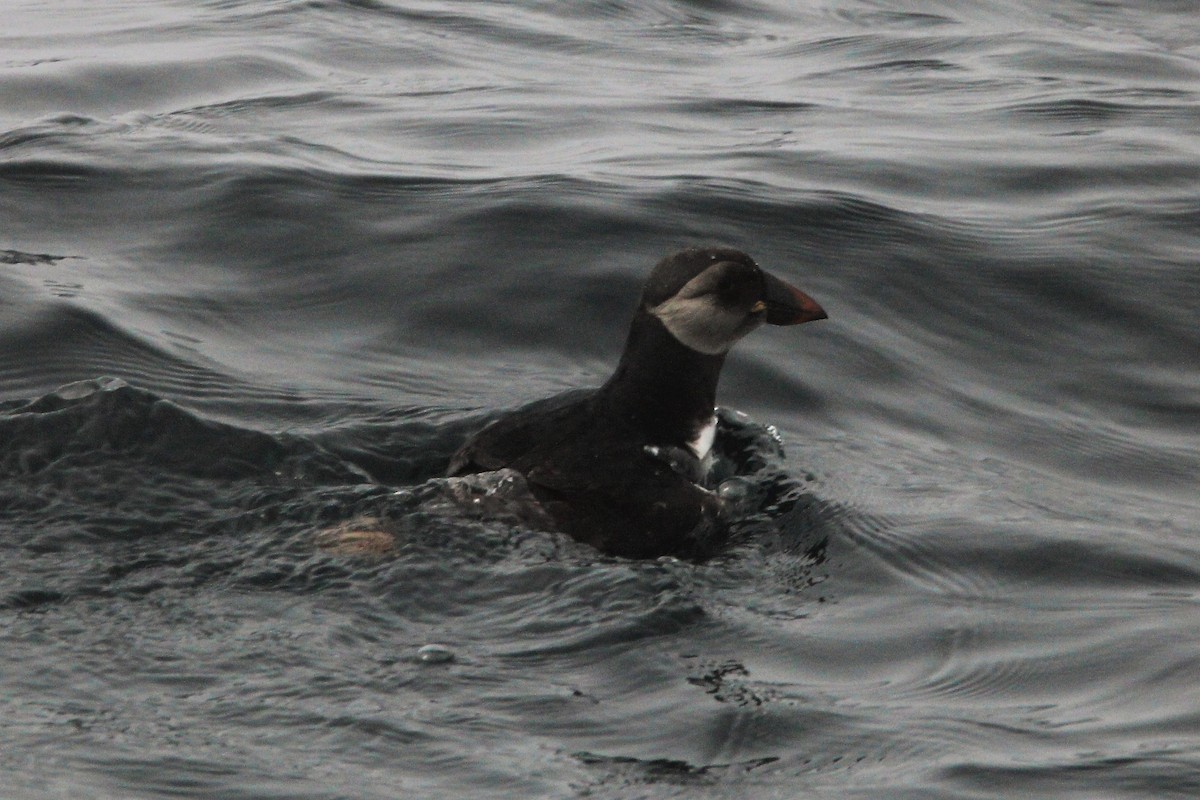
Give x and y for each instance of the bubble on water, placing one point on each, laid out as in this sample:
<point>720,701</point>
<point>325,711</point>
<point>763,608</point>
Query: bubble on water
<point>86,388</point>
<point>734,490</point>
<point>435,654</point>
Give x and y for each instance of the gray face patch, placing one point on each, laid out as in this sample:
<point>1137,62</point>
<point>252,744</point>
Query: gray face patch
<point>694,317</point>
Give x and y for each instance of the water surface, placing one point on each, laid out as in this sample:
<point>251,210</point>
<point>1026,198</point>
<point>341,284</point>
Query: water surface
<point>286,255</point>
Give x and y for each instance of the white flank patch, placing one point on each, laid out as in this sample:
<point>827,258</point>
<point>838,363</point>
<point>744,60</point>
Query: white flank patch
<point>703,442</point>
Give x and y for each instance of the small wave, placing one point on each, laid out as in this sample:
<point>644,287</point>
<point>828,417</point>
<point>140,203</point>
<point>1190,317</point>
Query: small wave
<point>88,423</point>
<point>877,18</point>
<point>32,259</point>
<point>739,106</point>
<point>1088,110</point>
<point>1155,771</point>
<point>61,342</point>
<point>623,773</point>
<point>902,65</point>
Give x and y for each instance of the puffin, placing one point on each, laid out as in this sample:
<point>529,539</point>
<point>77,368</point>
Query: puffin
<point>624,467</point>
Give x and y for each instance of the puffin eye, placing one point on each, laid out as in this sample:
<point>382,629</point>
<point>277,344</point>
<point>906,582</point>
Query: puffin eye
<point>738,289</point>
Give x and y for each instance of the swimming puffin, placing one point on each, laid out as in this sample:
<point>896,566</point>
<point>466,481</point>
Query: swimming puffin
<point>622,467</point>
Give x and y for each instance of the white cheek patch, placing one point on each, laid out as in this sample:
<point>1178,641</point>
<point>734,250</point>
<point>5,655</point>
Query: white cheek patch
<point>700,324</point>
<point>702,444</point>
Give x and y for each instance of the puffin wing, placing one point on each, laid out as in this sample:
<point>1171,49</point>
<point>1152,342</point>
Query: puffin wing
<point>641,509</point>
<point>544,426</point>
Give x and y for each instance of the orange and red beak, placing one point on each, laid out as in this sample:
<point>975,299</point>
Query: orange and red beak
<point>787,305</point>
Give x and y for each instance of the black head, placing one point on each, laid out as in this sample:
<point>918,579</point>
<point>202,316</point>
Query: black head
<point>708,298</point>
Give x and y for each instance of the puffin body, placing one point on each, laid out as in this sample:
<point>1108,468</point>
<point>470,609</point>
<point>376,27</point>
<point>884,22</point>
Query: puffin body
<point>622,467</point>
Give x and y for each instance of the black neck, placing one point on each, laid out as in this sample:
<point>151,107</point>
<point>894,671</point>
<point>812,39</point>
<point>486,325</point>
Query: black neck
<point>664,389</point>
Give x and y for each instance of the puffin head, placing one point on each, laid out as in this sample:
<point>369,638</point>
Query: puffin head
<point>710,297</point>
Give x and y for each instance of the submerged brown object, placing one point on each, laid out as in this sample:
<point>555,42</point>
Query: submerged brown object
<point>358,537</point>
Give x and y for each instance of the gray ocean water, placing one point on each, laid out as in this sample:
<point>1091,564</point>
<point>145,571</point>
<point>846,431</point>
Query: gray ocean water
<point>264,264</point>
